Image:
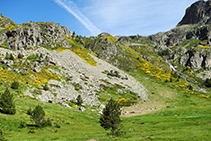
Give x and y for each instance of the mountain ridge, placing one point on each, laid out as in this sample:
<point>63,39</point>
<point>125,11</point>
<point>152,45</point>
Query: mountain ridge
<point>185,48</point>
<point>161,81</point>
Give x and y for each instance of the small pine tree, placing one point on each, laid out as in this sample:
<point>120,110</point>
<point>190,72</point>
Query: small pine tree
<point>207,82</point>
<point>47,59</point>
<point>41,56</point>
<point>79,100</point>
<point>73,35</point>
<point>15,85</point>
<point>110,119</point>
<point>46,88</point>
<point>38,115</point>
<point>20,56</point>
<point>49,122</point>
<point>22,124</point>
<point>11,57</point>
<point>7,55</point>
<point>29,112</point>
<point>7,104</point>
<point>46,123</point>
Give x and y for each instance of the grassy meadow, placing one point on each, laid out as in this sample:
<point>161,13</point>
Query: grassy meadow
<point>187,118</point>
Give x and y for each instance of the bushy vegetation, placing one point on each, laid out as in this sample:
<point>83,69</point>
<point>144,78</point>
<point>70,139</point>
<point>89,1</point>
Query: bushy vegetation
<point>79,100</point>
<point>9,56</point>
<point>38,115</point>
<point>15,85</point>
<point>207,82</point>
<point>110,119</point>
<point>45,87</point>
<point>33,56</point>
<point>29,112</point>
<point>20,56</point>
<point>112,73</point>
<point>81,51</point>
<point>165,52</point>
<point>7,104</point>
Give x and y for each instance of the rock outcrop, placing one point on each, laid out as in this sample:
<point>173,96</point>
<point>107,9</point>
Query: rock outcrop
<point>196,13</point>
<point>33,34</point>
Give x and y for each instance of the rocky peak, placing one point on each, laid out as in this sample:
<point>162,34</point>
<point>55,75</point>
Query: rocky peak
<point>32,34</point>
<point>4,21</point>
<point>103,35</point>
<point>196,13</point>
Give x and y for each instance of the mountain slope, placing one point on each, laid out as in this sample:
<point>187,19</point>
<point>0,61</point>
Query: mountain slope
<point>48,49</point>
<point>165,77</point>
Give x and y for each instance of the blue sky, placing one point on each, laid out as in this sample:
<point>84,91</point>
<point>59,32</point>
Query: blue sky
<point>91,17</point>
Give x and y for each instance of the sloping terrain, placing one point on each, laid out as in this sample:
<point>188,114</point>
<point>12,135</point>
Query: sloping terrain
<point>46,49</point>
<point>162,80</point>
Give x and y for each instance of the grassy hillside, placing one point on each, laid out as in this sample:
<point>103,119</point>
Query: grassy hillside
<point>187,118</point>
<point>174,110</point>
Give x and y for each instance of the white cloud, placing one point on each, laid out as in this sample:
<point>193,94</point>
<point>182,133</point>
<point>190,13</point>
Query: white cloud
<point>144,17</point>
<point>73,9</point>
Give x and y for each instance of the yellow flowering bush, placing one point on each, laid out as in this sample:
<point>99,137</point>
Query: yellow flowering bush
<point>203,96</point>
<point>124,102</point>
<point>74,106</point>
<point>110,38</point>
<point>204,47</point>
<point>60,49</point>
<point>83,53</point>
<point>30,77</point>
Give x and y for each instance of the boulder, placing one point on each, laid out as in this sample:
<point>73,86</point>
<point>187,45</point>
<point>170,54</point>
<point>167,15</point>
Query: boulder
<point>82,109</point>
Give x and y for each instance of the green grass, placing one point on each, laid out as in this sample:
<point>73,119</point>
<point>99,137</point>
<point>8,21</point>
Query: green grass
<point>190,120</point>
<point>74,124</point>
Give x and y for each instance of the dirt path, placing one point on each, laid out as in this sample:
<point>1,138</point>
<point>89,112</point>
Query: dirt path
<point>140,109</point>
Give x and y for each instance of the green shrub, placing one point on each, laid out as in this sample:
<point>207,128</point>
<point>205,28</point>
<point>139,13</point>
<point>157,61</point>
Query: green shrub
<point>7,104</point>
<point>32,56</point>
<point>113,74</point>
<point>31,131</point>
<point>79,100</point>
<point>11,57</point>
<point>20,56</point>
<point>15,85</point>
<point>207,82</point>
<point>164,53</point>
<point>48,122</point>
<point>45,87</point>
<point>29,112</point>
<point>77,86</point>
<point>41,56</point>
<point>38,115</point>
<point>7,55</point>
<point>110,119</point>
<point>57,125</point>
<point>22,124</point>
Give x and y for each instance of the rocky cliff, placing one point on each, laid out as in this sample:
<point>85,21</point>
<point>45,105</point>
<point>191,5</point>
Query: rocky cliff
<point>196,13</point>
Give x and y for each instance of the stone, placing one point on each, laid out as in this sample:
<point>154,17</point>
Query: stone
<point>82,109</point>
<point>37,69</point>
<point>196,13</point>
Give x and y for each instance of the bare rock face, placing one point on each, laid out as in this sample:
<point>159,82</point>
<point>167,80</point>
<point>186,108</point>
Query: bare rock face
<point>33,34</point>
<point>196,13</point>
